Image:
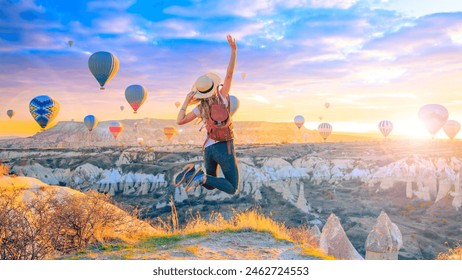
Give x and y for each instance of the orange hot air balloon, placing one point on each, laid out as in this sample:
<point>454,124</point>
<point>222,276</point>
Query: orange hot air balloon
<point>169,131</point>
<point>177,104</point>
<point>140,141</point>
<point>116,127</point>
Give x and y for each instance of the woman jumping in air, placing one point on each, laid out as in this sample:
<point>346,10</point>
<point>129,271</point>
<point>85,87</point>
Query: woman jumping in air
<point>214,111</point>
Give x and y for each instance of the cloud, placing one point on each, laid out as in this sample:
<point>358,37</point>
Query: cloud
<point>118,5</point>
<point>340,4</point>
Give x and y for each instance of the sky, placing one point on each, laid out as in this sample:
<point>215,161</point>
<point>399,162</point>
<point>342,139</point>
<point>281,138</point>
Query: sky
<point>371,60</point>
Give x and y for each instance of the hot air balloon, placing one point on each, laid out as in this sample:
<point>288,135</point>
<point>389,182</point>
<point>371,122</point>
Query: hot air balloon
<point>70,43</point>
<point>234,104</point>
<point>299,121</point>
<point>122,108</point>
<point>169,131</point>
<point>433,116</point>
<point>43,109</point>
<point>451,128</point>
<point>115,127</point>
<point>385,127</point>
<point>327,105</point>
<point>104,66</point>
<point>243,75</point>
<point>177,104</point>
<point>320,118</point>
<point>90,122</point>
<point>10,113</point>
<point>325,130</point>
<point>136,95</point>
<point>140,141</point>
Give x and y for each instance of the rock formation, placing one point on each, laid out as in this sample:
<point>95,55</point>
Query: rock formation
<point>384,241</point>
<point>335,242</point>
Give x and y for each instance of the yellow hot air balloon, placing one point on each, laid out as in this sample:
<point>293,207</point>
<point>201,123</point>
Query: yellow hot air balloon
<point>169,131</point>
<point>104,66</point>
<point>243,75</point>
<point>177,104</point>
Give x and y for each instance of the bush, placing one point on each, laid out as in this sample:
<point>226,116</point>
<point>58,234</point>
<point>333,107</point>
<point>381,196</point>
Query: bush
<point>49,223</point>
<point>4,169</point>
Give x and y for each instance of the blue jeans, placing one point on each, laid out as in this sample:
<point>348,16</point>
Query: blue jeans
<point>217,154</point>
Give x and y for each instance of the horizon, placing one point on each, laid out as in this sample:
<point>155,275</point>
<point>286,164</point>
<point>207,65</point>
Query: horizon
<point>372,60</point>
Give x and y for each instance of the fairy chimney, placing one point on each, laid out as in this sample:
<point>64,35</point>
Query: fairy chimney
<point>384,240</point>
<point>335,242</point>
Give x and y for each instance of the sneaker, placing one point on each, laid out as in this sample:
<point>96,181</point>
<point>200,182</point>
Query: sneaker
<point>184,175</point>
<point>198,179</point>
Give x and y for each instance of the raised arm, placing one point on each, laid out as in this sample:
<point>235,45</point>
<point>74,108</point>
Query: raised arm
<point>182,117</point>
<point>230,71</point>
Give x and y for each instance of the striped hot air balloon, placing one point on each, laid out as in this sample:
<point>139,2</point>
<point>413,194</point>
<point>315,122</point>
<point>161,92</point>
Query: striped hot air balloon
<point>90,122</point>
<point>115,127</point>
<point>136,95</point>
<point>169,131</point>
<point>385,127</point>
<point>44,109</point>
<point>299,121</point>
<point>324,130</point>
<point>104,66</point>
<point>451,128</point>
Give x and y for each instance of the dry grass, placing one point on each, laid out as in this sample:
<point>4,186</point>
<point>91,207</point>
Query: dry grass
<point>452,254</point>
<point>246,220</point>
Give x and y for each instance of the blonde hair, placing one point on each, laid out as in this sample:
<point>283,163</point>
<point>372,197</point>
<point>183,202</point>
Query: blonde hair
<point>204,107</point>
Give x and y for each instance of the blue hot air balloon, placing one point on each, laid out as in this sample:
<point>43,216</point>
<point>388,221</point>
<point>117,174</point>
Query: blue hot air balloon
<point>103,65</point>
<point>10,113</point>
<point>136,95</point>
<point>44,109</point>
<point>90,122</point>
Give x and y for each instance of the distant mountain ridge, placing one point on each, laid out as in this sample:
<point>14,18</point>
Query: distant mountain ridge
<point>70,134</point>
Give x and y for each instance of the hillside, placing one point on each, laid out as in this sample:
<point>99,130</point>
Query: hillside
<point>222,245</point>
<point>246,235</point>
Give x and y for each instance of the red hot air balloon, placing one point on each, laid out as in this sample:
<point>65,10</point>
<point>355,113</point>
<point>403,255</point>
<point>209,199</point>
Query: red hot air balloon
<point>115,127</point>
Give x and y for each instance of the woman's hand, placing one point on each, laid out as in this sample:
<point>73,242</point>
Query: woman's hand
<point>189,97</point>
<point>231,42</point>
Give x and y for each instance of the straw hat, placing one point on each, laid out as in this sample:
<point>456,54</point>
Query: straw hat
<point>206,85</point>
